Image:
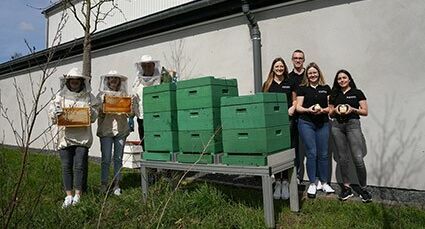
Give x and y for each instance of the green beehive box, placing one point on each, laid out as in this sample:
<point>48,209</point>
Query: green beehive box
<point>160,121</point>
<point>159,98</point>
<point>195,158</point>
<point>157,156</point>
<point>204,92</point>
<point>199,119</point>
<point>261,110</point>
<point>161,141</point>
<point>255,141</point>
<point>198,141</point>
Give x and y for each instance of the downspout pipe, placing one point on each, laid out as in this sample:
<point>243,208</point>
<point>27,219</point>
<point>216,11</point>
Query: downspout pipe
<point>255,33</point>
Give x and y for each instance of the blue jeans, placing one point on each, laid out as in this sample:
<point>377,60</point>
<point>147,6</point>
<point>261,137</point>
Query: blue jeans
<point>349,135</point>
<point>315,139</point>
<point>295,143</point>
<point>74,167</point>
<point>106,148</point>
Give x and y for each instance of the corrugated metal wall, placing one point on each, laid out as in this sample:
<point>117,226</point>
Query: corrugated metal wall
<point>130,10</point>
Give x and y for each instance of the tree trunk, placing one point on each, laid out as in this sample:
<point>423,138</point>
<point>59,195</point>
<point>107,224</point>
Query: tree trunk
<point>87,55</point>
<point>87,42</point>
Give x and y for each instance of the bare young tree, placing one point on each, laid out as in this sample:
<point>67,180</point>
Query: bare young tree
<point>89,15</point>
<point>29,106</point>
<point>177,59</point>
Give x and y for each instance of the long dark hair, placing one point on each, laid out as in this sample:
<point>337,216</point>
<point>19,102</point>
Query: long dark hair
<point>336,88</point>
<point>271,74</point>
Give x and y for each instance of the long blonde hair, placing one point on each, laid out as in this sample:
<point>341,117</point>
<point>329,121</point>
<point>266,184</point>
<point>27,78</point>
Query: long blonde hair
<point>270,77</point>
<point>305,81</point>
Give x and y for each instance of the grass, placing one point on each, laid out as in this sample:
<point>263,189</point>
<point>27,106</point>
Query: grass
<point>198,205</point>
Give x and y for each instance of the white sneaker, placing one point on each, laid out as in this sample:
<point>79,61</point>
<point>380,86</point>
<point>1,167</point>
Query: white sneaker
<point>311,191</point>
<point>327,188</point>
<point>285,190</point>
<point>319,185</point>
<point>277,190</point>
<point>76,200</point>
<point>67,202</point>
<point>117,192</point>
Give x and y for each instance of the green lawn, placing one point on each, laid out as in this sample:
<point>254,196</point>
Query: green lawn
<point>197,205</point>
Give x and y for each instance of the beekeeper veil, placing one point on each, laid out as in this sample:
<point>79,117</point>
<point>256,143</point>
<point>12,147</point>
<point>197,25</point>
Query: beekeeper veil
<point>69,86</point>
<point>148,71</point>
<point>114,83</point>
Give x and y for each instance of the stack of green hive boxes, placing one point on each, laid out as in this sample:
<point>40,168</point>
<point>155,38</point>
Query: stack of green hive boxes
<point>160,122</point>
<point>198,104</point>
<point>254,126</point>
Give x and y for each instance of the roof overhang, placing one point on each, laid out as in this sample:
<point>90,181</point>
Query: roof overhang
<point>170,19</point>
<point>57,7</point>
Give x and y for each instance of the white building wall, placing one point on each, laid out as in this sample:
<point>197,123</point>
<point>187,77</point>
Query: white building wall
<point>379,41</point>
<point>128,11</point>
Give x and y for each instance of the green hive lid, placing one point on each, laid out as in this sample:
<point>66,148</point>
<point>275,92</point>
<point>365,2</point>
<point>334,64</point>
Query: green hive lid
<point>257,98</point>
<point>207,80</point>
<point>159,88</point>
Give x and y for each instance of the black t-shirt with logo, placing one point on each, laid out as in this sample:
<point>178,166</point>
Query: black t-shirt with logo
<point>295,79</point>
<point>312,96</point>
<point>352,97</point>
<point>283,87</point>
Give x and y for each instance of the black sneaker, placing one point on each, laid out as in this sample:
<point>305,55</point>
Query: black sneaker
<point>365,196</point>
<point>363,193</point>
<point>345,194</point>
<point>356,188</point>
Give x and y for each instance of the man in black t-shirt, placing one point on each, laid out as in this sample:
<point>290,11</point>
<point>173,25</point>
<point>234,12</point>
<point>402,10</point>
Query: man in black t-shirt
<point>296,75</point>
<point>295,79</point>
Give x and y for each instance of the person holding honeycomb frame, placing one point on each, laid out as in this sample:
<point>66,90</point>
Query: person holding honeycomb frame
<point>112,128</point>
<point>72,110</point>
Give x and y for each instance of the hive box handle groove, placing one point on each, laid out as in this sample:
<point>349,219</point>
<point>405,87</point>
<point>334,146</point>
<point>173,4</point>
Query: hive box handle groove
<point>278,132</point>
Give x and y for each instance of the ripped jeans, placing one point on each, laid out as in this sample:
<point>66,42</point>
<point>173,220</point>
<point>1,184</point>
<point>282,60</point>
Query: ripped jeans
<point>348,138</point>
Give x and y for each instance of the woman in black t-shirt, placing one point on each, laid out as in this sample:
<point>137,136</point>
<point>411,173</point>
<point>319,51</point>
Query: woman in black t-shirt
<point>278,82</point>
<point>347,104</point>
<point>313,126</point>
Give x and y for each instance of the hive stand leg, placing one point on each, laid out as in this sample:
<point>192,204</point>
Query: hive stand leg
<point>268,201</point>
<point>144,182</point>
<point>294,202</point>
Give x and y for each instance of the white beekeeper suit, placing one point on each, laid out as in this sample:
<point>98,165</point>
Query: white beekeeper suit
<point>142,81</point>
<point>74,136</point>
<point>111,125</point>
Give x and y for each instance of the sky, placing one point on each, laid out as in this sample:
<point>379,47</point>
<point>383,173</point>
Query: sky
<point>21,20</point>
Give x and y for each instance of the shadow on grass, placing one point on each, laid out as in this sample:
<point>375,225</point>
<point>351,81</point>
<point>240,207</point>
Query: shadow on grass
<point>246,196</point>
<point>130,179</point>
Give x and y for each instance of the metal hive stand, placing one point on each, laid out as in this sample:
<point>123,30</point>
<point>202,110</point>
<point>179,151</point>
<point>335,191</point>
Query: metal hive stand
<point>277,162</point>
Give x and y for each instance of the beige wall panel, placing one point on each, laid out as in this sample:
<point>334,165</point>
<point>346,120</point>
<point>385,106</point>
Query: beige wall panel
<point>381,43</point>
